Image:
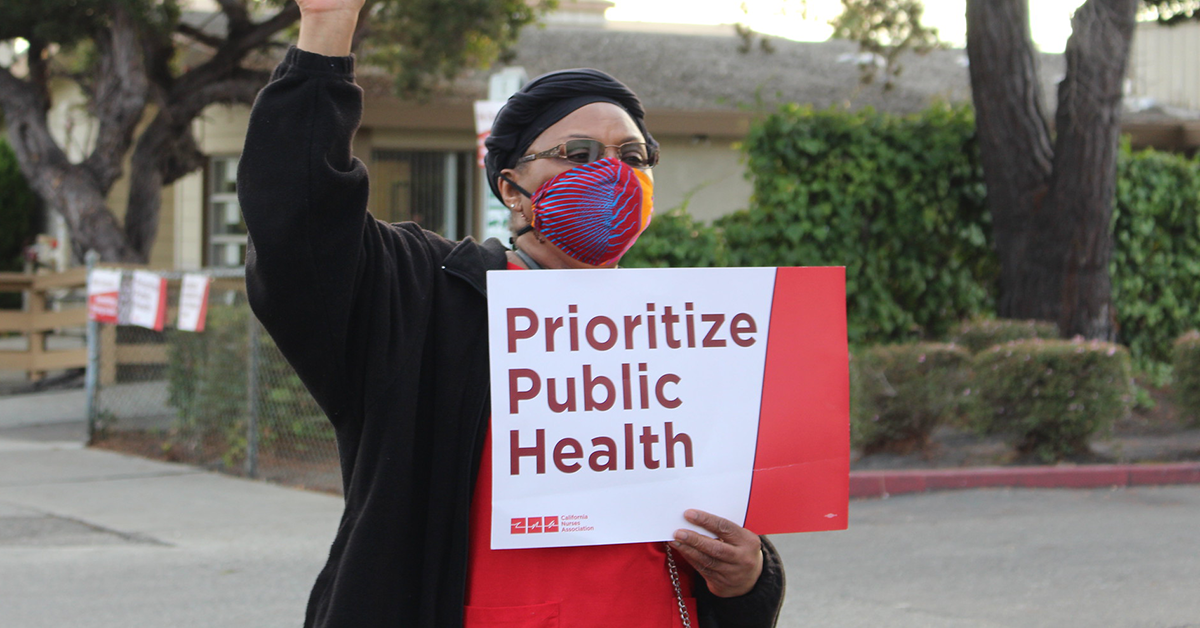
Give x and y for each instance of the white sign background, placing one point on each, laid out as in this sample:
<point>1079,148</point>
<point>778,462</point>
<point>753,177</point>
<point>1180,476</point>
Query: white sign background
<point>720,391</point>
<point>193,299</point>
<point>147,305</point>
<point>103,288</point>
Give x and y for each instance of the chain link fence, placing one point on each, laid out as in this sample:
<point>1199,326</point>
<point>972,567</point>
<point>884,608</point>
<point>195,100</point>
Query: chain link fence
<point>223,398</point>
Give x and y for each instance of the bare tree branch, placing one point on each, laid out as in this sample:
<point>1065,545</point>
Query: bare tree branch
<point>198,35</point>
<point>13,91</point>
<point>25,107</point>
<point>120,98</point>
<point>226,59</point>
<point>235,11</point>
<point>39,71</point>
<point>363,29</point>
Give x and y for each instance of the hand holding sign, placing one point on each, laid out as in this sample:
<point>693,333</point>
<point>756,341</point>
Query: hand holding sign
<point>730,563</point>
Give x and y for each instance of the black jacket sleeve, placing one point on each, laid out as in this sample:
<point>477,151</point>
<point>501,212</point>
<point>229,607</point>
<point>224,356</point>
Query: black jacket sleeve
<point>324,277</point>
<point>759,608</point>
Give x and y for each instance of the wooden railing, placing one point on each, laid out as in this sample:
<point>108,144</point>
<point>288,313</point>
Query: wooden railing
<point>37,322</point>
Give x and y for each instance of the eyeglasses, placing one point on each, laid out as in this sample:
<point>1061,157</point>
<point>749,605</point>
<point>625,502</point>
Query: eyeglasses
<point>583,151</point>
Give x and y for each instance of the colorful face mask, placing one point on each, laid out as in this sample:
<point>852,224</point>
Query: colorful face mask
<point>594,212</point>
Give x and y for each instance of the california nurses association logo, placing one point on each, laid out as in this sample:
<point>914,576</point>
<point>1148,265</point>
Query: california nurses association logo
<point>533,525</point>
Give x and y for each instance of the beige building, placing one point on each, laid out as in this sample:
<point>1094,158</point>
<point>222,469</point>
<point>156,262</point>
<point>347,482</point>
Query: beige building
<point>1163,91</point>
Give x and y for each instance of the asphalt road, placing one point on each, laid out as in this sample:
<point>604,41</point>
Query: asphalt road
<point>1004,558</point>
<point>93,539</point>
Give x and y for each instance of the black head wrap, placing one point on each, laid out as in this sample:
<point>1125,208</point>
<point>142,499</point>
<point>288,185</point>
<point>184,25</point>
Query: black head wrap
<point>546,100</point>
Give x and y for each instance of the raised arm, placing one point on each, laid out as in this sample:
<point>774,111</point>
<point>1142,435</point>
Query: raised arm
<point>314,264</point>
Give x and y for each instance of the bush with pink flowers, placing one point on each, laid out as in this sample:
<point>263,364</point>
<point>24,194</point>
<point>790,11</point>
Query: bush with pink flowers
<point>902,393</point>
<point>1185,362</point>
<point>1052,396</point>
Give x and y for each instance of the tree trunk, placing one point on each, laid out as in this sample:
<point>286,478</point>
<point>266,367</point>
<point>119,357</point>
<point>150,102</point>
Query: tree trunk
<point>77,191</point>
<point>1079,205</point>
<point>70,189</point>
<point>167,149</point>
<point>1051,208</point>
<point>165,152</point>
<point>1015,147</point>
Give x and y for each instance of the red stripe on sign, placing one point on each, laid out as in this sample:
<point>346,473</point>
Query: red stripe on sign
<point>160,319</point>
<point>802,462</point>
<point>203,306</point>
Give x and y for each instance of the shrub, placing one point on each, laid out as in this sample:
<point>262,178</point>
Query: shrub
<point>1185,360</point>
<point>206,376</point>
<point>901,393</point>
<point>208,384</point>
<point>18,218</point>
<point>675,240</point>
<point>981,333</point>
<point>1052,396</point>
<point>898,201</point>
<point>1155,265</point>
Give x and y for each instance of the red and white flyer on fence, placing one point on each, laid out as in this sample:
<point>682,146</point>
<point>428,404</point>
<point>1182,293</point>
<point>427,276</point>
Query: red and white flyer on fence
<point>149,304</point>
<point>193,302</point>
<point>621,398</point>
<point>103,294</point>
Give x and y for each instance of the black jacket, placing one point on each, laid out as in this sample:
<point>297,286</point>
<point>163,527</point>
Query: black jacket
<point>386,325</point>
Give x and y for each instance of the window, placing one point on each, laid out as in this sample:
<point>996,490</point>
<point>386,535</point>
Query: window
<point>431,188</point>
<point>226,228</point>
<point>434,189</point>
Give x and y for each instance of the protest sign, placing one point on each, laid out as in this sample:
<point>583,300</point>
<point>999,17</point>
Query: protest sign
<point>149,304</point>
<point>193,302</point>
<point>103,294</point>
<point>622,398</point>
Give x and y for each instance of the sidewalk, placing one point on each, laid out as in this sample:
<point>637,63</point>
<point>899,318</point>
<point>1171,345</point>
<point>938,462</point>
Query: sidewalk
<point>93,539</point>
<point>90,538</point>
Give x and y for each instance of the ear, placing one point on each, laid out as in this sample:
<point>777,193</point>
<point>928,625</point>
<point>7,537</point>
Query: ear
<point>513,200</point>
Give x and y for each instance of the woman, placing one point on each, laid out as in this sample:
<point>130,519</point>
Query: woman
<point>386,325</point>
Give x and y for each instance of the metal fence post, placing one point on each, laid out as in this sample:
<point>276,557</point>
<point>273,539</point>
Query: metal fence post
<point>252,400</point>
<point>92,374</point>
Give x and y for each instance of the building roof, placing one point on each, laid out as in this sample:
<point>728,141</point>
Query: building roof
<point>706,72</point>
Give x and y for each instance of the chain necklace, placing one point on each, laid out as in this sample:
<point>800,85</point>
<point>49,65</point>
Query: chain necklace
<point>683,611</point>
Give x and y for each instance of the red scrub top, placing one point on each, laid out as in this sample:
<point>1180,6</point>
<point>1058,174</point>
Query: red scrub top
<point>578,587</point>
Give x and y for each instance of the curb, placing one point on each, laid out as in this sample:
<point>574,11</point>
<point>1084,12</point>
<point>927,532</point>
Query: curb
<point>868,484</point>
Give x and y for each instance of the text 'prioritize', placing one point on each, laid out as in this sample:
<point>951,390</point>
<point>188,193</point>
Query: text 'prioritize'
<point>632,386</point>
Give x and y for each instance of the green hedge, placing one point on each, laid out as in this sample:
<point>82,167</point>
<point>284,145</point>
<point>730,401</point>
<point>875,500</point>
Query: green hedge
<point>898,201</point>
<point>675,240</point>
<point>208,383</point>
<point>982,333</point>
<point>1156,254</point>
<point>1052,396</point>
<point>901,393</point>
<point>1185,362</point>
<point>18,213</point>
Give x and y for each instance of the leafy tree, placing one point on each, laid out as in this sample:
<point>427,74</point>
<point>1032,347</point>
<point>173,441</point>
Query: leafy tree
<point>18,207</point>
<point>147,73</point>
<point>17,210</point>
<point>885,30</point>
<point>1051,193</point>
